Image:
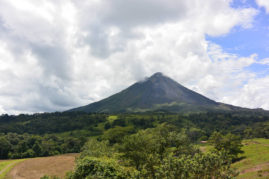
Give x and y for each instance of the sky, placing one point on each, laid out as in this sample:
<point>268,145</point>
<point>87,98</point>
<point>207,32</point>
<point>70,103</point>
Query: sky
<point>56,55</point>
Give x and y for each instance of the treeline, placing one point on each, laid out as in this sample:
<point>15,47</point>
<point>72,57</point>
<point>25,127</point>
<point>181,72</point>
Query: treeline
<point>24,146</point>
<point>57,133</point>
<point>47,123</point>
<point>251,124</point>
<point>245,124</point>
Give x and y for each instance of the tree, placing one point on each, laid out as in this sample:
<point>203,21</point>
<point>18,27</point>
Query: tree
<point>107,125</point>
<point>147,149</point>
<point>99,168</point>
<point>37,149</point>
<point>4,148</point>
<point>116,134</point>
<point>231,144</point>
<point>94,148</point>
<point>208,165</point>
<point>136,148</point>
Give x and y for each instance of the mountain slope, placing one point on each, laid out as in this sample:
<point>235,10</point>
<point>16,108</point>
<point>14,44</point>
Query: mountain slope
<point>155,93</point>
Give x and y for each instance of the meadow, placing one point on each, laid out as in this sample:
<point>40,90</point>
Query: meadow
<point>255,162</point>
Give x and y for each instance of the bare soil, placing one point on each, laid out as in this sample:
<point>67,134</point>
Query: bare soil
<point>37,167</point>
<point>256,168</point>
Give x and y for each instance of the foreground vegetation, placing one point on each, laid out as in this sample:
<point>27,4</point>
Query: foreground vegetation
<point>250,165</point>
<point>148,145</point>
<point>157,153</point>
<point>161,152</point>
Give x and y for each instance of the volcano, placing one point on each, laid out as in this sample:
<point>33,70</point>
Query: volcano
<point>156,93</point>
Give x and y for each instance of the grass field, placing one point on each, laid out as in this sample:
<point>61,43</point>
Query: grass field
<point>112,118</point>
<point>6,166</point>
<point>256,161</point>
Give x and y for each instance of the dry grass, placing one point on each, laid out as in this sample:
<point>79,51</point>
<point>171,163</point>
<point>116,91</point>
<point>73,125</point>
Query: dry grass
<point>38,167</point>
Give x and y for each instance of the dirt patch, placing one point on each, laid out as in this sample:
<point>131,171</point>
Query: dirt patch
<point>38,167</point>
<point>251,142</point>
<point>256,168</point>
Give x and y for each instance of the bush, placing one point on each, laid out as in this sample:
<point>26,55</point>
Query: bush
<point>94,148</point>
<point>159,153</point>
<point>209,165</point>
<point>230,144</point>
<point>98,168</point>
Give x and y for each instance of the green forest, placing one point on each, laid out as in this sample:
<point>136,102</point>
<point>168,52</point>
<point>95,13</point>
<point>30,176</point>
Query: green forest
<point>135,145</point>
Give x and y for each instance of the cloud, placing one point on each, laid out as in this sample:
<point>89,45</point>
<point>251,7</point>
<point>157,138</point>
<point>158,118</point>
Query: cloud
<point>263,3</point>
<point>58,55</point>
<point>253,94</point>
<point>264,61</point>
<point>116,21</point>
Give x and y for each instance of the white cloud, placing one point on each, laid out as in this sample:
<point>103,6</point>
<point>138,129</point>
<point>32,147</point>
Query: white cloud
<point>263,3</point>
<point>264,61</point>
<point>253,94</point>
<point>57,55</point>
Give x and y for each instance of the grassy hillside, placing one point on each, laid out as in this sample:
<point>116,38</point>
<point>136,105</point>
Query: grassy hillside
<point>256,161</point>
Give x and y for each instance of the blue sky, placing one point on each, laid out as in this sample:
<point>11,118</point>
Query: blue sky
<point>248,41</point>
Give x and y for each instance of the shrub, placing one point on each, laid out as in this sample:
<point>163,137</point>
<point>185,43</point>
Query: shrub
<point>230,144</point>
<point>97,168</point>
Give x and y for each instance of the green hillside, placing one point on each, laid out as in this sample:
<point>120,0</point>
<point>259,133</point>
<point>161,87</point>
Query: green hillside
<point>255,163</point>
